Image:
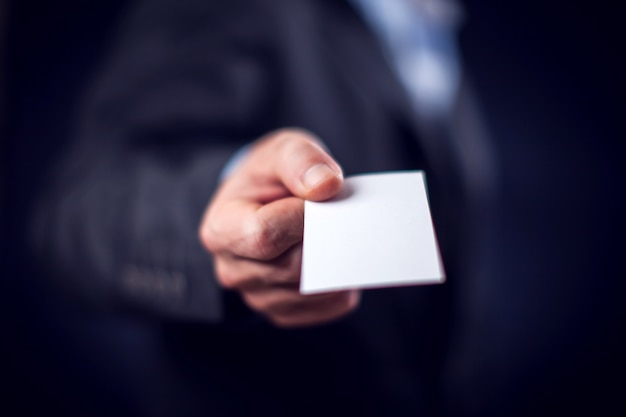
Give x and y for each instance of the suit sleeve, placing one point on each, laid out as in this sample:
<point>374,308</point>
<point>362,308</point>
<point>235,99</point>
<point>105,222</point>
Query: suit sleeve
<point>181,91</point>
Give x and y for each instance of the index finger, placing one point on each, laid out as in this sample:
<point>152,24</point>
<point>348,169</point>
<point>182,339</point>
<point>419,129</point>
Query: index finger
<point>253,230</point>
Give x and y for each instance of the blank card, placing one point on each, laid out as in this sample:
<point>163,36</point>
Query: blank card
<point>377,232</point>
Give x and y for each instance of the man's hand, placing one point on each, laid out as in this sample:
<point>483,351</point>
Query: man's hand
<point>254,225</point>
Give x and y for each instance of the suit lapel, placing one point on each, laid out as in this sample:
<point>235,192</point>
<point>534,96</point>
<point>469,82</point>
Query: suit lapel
<point>360,57</point>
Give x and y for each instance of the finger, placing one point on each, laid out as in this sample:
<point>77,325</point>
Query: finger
<point>309,315</point>
<point>304,167</point>
<point>251,230</point>
<point>249,274</point>
<point>288,301</point>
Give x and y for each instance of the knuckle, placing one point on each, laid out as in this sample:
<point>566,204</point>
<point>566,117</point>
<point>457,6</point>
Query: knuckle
<point>255,303</point>
<point>206,237</point>
<point>263,240</point>
<point>209,234</point>
<point>225,276</point>
<point>228,282</point>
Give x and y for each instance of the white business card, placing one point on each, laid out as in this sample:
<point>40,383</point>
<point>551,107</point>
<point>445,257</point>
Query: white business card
<point>377,232</point>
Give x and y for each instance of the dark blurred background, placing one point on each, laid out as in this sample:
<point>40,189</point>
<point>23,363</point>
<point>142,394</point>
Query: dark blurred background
<point>550,81</point>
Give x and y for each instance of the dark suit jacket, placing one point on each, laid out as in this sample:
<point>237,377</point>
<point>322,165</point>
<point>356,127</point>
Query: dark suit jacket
<point>187,84</point>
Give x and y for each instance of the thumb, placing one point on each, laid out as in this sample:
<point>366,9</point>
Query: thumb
<point>305,167</point>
